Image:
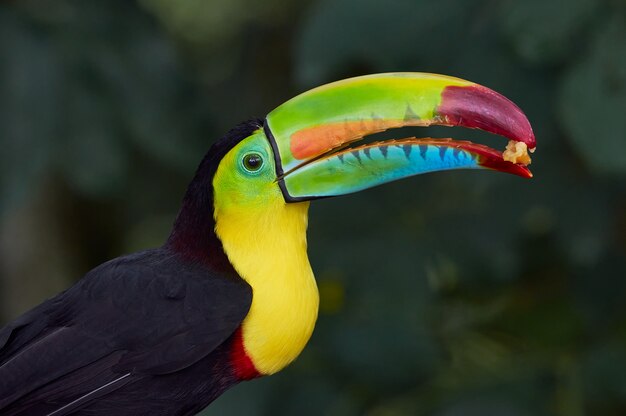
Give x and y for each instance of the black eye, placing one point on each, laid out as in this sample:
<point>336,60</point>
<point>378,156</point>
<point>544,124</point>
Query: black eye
<point>252,162</point>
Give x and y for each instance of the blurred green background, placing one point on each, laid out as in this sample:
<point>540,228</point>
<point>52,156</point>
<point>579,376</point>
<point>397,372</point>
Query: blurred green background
<point>452,294</point>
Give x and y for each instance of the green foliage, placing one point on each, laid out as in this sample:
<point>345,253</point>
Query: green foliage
<point>462,293</point>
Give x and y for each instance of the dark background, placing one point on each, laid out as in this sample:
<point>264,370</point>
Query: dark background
<point>458,293</point>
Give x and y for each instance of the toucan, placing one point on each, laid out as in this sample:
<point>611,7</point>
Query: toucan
<point>230,295</point>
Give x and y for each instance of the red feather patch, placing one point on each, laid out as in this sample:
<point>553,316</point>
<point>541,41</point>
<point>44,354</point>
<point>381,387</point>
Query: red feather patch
<point>243,367</point>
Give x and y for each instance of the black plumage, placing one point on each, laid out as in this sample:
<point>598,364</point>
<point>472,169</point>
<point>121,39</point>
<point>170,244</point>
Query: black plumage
<point>146,334</point>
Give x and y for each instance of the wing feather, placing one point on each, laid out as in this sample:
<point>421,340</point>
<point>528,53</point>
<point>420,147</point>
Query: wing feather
<point>145,314</point>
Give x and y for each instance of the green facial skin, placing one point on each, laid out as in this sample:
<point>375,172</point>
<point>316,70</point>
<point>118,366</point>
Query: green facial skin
<point>240,183</point>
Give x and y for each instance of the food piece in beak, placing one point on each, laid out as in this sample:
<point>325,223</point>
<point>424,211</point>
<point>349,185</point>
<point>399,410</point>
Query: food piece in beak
<point>517,152</point>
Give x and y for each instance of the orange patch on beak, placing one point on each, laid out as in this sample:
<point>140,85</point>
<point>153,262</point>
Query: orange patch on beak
<point>315,141</point>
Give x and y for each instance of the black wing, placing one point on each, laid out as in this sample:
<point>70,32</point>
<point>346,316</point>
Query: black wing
<point>148,313</point>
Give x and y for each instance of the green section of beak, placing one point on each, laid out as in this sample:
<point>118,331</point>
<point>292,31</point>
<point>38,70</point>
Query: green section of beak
<point>332,115</point>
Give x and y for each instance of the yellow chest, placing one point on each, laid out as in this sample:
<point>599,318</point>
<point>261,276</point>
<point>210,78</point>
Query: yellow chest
<point>268,249</point>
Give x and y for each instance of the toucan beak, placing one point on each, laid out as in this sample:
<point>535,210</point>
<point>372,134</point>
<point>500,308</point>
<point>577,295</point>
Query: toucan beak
<point>311,133</point>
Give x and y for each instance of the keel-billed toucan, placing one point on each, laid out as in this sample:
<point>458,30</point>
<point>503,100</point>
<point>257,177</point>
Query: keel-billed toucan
<point>230,296</point>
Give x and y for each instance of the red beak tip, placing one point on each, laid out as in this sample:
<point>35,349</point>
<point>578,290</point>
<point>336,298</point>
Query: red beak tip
<point>479,107</point>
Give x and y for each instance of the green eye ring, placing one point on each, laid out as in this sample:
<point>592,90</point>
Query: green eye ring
<point>252,162</point>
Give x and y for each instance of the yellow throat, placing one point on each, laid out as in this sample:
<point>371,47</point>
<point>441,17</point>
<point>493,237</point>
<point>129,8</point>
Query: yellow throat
<point>266,244</point>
